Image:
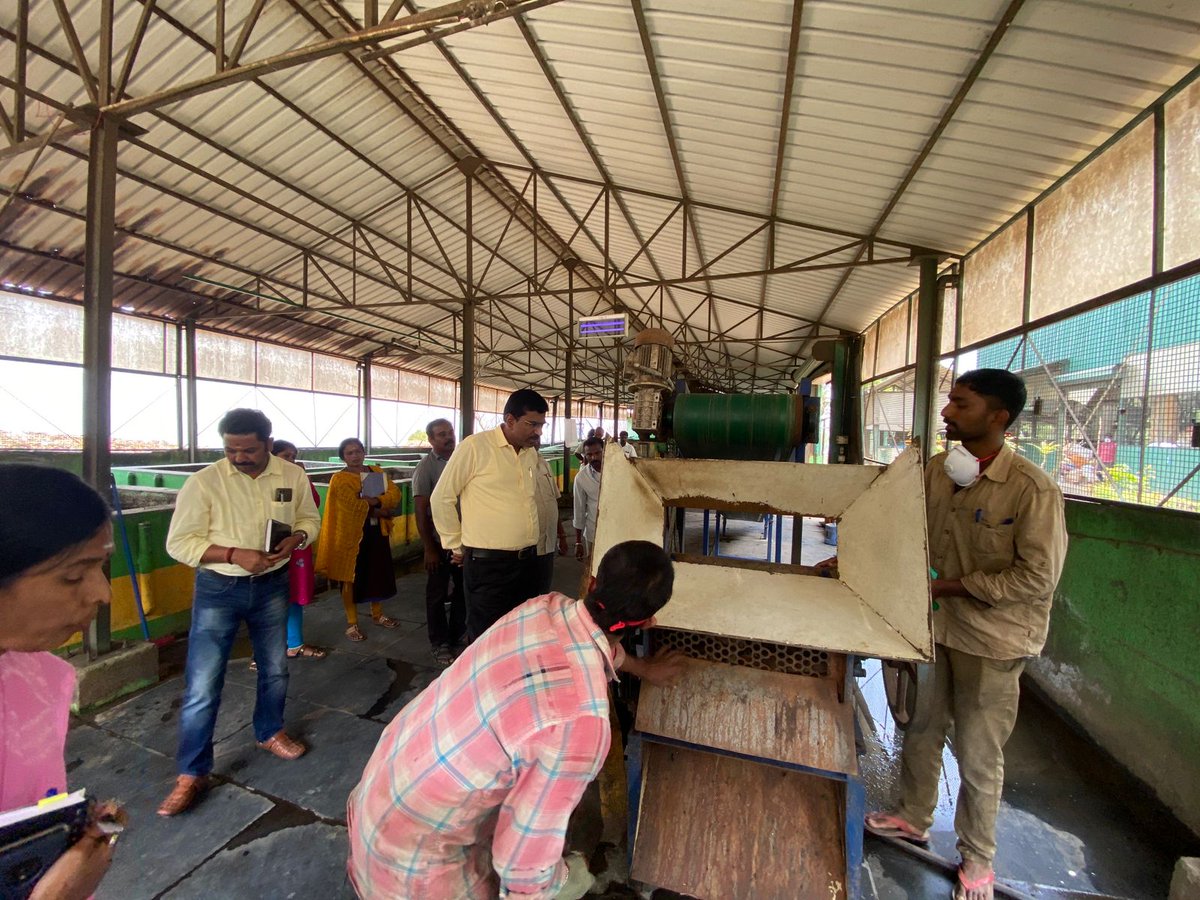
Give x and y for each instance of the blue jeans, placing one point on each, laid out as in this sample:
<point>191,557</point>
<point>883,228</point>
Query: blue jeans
<point>219,607</point>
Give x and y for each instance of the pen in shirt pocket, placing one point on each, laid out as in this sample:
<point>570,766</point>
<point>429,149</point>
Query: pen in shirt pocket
<point>979,518</point>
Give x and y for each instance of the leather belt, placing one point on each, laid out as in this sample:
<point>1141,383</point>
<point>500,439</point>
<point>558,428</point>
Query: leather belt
<point>488,553</point>
<point>246,579</point>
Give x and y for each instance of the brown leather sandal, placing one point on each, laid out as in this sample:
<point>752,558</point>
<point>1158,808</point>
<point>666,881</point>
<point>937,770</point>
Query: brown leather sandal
<point>307,651</point>
<point>283,746</point>
<point>183,796</point>
<point>386,622</point>
<point>355,633</point>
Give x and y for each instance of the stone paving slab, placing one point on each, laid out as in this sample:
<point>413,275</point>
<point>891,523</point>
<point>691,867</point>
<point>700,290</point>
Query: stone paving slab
<point>154,852</point>
<point>325,621</point>
<point>151,719</point>
<point>339,746</point>
<point>307,861</point>
<point>342,680</point>
<point>408,644</point>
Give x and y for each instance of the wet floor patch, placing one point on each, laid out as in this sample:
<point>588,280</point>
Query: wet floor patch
<point>277,818</point>
<point>407,680</point>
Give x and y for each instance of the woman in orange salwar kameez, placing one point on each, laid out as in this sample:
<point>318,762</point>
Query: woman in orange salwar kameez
<point>355,548</point>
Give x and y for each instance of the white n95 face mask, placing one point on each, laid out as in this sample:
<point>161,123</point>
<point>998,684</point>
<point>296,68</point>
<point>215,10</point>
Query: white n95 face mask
<point>961,466</point>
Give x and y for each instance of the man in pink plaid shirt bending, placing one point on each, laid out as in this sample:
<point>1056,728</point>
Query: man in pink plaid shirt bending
<point>469,790</point>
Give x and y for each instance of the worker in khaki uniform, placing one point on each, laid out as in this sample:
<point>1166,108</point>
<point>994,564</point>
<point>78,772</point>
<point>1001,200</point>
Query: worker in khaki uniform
<point>997,540</point>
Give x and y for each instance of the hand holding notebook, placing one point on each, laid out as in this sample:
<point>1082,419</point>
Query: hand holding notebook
<point>60,847</point>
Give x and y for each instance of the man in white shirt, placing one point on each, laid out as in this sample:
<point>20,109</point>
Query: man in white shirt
<point>627,448</point>
<point>587,496</point>
<point>552,537</point>
<point>220,528</point>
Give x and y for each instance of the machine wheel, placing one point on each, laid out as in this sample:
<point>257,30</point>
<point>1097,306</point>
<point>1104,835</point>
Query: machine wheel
<point>900,680</point>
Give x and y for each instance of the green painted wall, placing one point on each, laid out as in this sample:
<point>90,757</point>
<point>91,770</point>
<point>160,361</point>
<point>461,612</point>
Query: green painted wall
<point>1121,657</point>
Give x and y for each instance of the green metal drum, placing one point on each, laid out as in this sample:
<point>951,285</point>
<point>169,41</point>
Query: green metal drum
<point>737,426</point>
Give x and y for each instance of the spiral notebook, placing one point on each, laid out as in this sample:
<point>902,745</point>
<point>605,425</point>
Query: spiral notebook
<point>32,839</point>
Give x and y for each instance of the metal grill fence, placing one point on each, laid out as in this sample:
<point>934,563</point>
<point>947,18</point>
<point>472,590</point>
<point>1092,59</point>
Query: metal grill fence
<point>1114,399</point>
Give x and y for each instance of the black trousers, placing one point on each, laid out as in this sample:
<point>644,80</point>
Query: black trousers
<point>545,573</point>
<point>446,582</point>
<point>495,587</point>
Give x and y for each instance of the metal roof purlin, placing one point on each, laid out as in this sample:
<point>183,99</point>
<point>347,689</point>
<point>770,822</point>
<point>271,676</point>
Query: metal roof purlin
<point>731,210</point>
<point>538,235</point>
<point>81,64</point>
<point>669,130</point>
<point>785,115</point>
<point>451,12</point>
<point>533,166</point>
<point>960,95</point>
<point>337,138</point>
<point>572,116</point>
<point>191,132</point>
<point>287,103</point>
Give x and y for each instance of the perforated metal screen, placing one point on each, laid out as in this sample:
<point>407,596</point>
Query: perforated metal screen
<point>740,652</point>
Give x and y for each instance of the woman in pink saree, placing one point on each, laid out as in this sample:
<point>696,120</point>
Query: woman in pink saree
<point>55,536</point>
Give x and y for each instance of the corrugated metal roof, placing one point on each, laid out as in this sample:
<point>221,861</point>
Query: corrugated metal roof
<point>335,182</point>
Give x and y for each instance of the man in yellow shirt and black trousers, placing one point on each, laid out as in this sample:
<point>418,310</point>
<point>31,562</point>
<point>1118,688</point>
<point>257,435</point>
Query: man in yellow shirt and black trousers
<point>492,476</point>
<point>997,540</point>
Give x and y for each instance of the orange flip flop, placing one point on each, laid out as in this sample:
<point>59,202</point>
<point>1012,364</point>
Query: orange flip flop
<point>965,886</point>
<point>892,826</point>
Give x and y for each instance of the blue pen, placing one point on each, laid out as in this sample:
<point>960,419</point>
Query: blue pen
<point>978,515</point>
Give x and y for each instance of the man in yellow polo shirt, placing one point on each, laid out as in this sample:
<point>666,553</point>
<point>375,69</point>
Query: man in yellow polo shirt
<point>220,529</point>
<point>492,477</point>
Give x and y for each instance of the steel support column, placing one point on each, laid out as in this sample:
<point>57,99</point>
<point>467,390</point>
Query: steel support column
<point>180,408</point>
<point>569,264</point>
<point>468,165</point>
<point>929,327</point>
<point>366,402</point>
<point>193,420</point>
<point>467,382</point>
<point>97,334</point>
<point>845,422</point>
<point>616,429</point>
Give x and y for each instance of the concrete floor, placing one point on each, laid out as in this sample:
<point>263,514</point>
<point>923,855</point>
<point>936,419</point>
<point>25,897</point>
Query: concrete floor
<point>1071,823</point>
